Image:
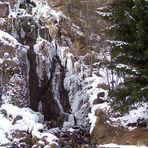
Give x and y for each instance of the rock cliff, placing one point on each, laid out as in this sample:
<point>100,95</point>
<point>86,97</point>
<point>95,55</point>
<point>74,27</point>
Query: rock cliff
<point>53,81</point>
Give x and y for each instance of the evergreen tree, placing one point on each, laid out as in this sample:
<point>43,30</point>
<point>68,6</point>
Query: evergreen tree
<point>129,46</point>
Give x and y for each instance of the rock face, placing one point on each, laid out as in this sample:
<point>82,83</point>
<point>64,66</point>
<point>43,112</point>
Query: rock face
<point>104,133</point>
<point>82,25</point>
<point>32,69</point>
<point>11,2</point>
<point>4,9</point>
<point>38,74</point>
<point>13,66</point>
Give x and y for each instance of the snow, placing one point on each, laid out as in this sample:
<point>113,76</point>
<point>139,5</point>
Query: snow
<point>111,145</point>
<point>102,12</point>
<point>81,93</point>
<point>7,39</point>
<point>1,61</point>
<point>44,54</point>
<point>117,43</point>
<point>3,139</point>
<point>46,12</point>
<point>57,15</point>
<point>2,21</point>
<point>77,30</point>
<point>69,65</point>
<point>29,121</point>
<point>93,83</point>
<point>132,117</point>
<point>67,58</point>
<point>49,137</point>
<point>92,91</point>
<point>92,118</point>
<point>29,117</point>
<point>62,51</point>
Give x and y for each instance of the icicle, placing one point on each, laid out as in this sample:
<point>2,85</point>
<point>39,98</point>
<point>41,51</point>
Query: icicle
<point>69,65</point>
<point>82,66</point>
<point>14,32</point>
<point>38,32</point>
<point>55,87</point>
<point>44,55</point>
<point>40,107</point>
<point>62,52</point>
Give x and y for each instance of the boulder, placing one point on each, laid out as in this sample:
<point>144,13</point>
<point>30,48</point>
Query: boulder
<point>98,101</point>
<point>104,86</point>
<point>104,133</point>
<point>101,94</point>
<point>18,117</point>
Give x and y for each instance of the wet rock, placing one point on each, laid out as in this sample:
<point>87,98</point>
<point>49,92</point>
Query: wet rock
<point>67,146</point>
<point>98,101</point>
<point>142,123</point>
<point>4,112</point>
<point>18,134</point>
<point>139,123</point>
<point>16,119</point>
<point>104,86</point>
<point>22,139</point>
<point>101,94</point>
<point>79,136</point>
<point>85,146</point>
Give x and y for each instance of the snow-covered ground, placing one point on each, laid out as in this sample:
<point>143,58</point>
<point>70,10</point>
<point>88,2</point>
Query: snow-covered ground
<point>111,145</point>
<point>140,111</point>
<point>13,118</point>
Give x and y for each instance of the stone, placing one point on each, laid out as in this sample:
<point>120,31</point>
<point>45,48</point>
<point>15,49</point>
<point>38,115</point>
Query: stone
<point>98,101</point>
<point>104,86</point>
<point>22,137</point>
<point>55,3</point>
<point>18,117</point>
<point>4,112</point>
<point>104,133</point>
<point>101,94</point>
<point>102,116</point>
<point>4,9</point>
<point>86,146</point>
<point>11,2</point>
<point>40,144</point>
<point>53,145</point>
<point>67,146</point>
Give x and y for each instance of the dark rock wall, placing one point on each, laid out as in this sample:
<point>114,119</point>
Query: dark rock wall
<point>26,29</point>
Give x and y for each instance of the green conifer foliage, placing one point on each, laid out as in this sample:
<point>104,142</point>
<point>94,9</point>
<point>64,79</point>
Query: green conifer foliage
<point>129,19</point>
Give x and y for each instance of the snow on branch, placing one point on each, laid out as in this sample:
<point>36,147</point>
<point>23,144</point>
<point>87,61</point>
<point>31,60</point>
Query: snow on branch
<point>117,43</point>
